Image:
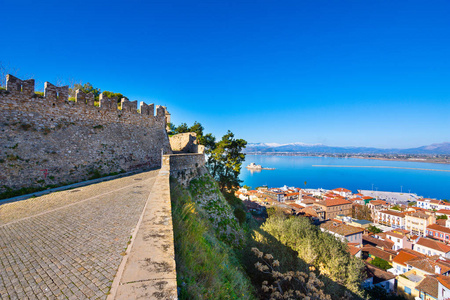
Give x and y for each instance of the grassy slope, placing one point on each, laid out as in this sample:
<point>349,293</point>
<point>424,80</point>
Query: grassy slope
<point>206,234</point>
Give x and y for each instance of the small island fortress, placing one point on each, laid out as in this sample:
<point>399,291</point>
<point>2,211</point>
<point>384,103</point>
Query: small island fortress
<point>253,166</point>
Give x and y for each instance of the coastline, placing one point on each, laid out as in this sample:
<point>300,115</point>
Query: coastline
<point>424,160</point>
<point>380,167</point>
<point>407,160</point>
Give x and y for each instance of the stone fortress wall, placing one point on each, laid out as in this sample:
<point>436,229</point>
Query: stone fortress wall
<point>48,140</point>
<point>188,159</point>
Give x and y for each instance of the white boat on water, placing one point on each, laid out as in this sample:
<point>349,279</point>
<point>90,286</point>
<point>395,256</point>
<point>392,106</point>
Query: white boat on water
<point>253,166</point>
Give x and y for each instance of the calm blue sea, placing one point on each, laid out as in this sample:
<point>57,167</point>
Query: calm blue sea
<point>323,172</point>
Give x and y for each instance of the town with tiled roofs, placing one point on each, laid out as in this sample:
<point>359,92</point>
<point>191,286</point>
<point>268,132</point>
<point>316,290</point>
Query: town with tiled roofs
<point>403,239</point>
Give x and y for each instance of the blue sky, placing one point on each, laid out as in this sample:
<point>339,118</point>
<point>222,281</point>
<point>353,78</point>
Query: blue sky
<point>342,73</point>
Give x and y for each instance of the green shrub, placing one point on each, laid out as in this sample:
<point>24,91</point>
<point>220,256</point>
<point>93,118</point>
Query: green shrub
<point>381,263</point>
<point>207,268</point>
<point>374,229</point>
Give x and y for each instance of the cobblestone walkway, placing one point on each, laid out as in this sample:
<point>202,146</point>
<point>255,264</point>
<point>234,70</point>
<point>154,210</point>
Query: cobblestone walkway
<point>68,245</point>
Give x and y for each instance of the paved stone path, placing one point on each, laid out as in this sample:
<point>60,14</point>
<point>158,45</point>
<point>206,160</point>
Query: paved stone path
<point>148,270</point>
<point>69,245</point>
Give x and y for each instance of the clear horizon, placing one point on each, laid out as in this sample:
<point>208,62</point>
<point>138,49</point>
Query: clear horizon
<point>348,146</point>
<point>372,74</point>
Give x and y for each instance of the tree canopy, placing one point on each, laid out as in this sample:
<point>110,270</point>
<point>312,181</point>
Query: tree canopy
<point>225,161</point>
<point>85,88</point>
<point>224,158</point>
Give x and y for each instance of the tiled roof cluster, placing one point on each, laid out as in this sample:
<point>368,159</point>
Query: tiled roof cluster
<point>386,244</point>
<point>334,202</point>
<point>340,228</point>
<point>432,244</point>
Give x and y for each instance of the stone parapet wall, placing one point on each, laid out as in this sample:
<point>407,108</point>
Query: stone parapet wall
<point>186,143</point>
<point>51,141</point>
<point>185,167</point>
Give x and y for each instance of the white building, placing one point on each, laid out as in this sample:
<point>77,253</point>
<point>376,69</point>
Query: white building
<point>431,247</point>
<point>391,218</point>
<point>343,192</point>
<point>401,241</point>
<point>432,204</point>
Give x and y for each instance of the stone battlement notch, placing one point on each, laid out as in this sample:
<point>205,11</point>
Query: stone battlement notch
<point>48,140</point>
<point>60,94</point>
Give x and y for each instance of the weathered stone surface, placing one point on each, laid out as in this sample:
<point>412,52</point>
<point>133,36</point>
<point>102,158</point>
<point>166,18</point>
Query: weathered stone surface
<point>70,244</point>
<point>185,143</point>
<point>148,270</point>
<point>185,167</point>
<point>50,141</point>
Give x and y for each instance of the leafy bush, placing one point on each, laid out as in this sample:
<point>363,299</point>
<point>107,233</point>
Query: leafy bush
<point>381,263</point>
<point>119,96</point>
<point>329,256</point>
<point>240,214</point>
<point>374,229</point>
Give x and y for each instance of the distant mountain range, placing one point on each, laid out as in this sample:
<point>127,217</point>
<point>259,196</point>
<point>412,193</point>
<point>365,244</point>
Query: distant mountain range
<point>443,148</point>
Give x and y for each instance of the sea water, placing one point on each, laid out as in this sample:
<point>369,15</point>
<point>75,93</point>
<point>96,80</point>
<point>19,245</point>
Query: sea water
<point>425,179</point>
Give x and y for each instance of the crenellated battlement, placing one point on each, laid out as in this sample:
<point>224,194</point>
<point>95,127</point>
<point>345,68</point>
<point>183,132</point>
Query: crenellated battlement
<point>60,94</point>
<point>50,140</point>
<point>55,93</point>
<point>83,98</point>
<point>129,106</point>
<point>14,84</point>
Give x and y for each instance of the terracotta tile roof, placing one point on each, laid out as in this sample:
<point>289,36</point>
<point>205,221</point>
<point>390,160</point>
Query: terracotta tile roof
<point>428,265</point>
<point>444,280</point>
<point>381,235</point>
<point>377,202</point>
<point>353,244</point>
<point>296,206</point>
<point>429,285</point>
<point>444,211</point>
<point>441,222</point>
<point>353,250</point>
<point>429,243</point>
<point>342,190</point>
<point>400,231</point>
<point>419,214</point>
<point>403,257</point>
<point>309,211</point>
<point>339,228</point>
<point>334,202</point>
<point>438,228</point>
<point>395,234</point>
<point>387,244</point>
<point>413,252</point>
<point>435,201</point>
<point>393,213</point>
<point>388,256</point>
<point>308,201</point>
<point>291,194</point>
<point>377,274</point>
